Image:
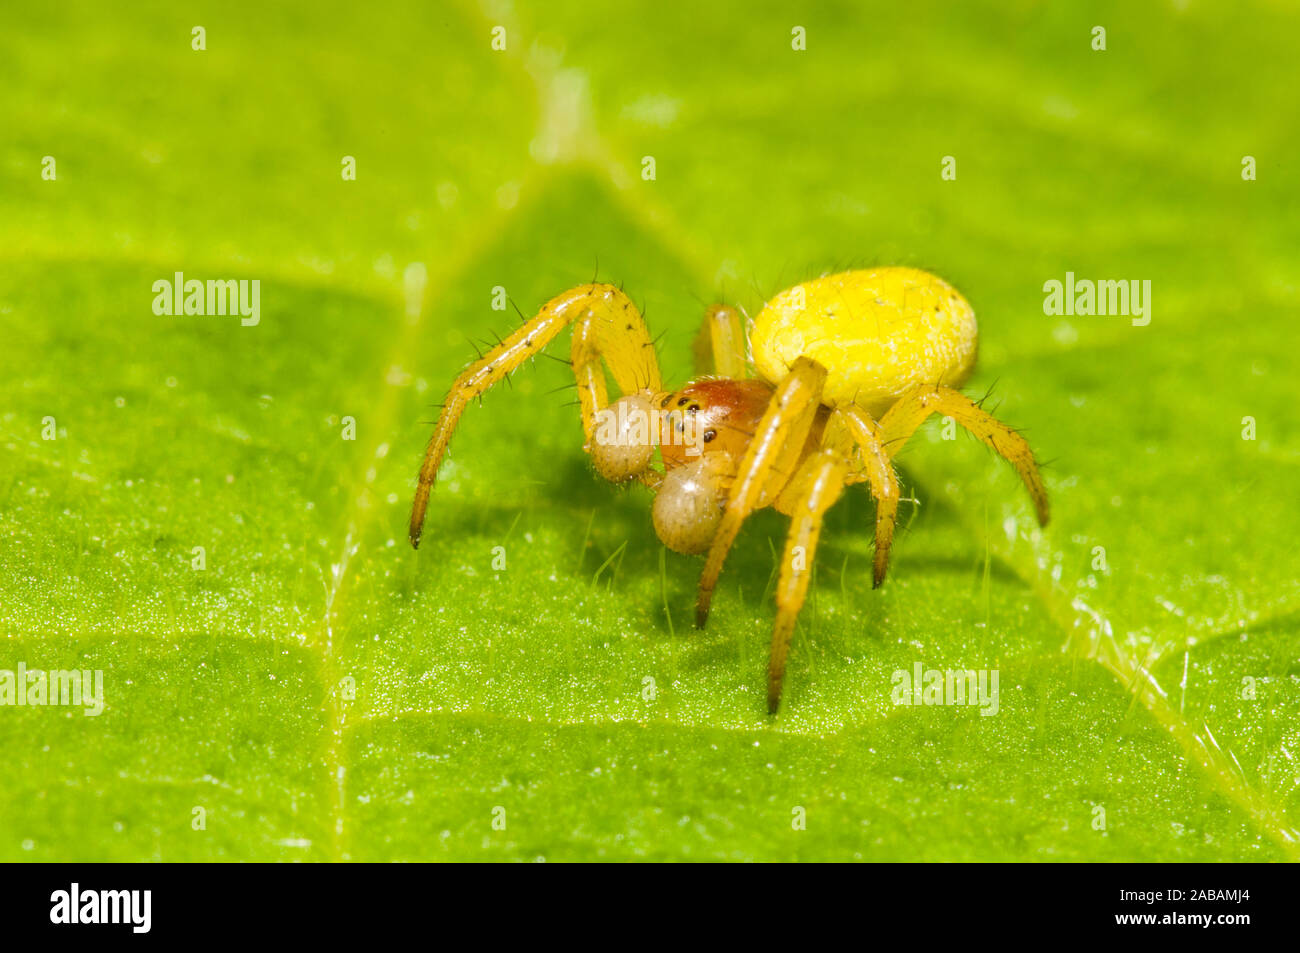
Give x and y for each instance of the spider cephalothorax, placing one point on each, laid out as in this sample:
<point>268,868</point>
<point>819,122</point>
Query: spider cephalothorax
<point>849,366</point>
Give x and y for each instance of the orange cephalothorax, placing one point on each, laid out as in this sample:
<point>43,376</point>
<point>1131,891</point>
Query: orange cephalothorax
<point>708,416</point>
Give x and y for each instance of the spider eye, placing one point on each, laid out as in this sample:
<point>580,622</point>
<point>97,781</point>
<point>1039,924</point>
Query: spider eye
<point>664,402</point>
<point>683,402</point>
<point>694,408</point>
<point>709,435</point>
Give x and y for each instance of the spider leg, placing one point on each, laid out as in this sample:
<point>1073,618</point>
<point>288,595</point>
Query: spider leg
<point>613,326</point>
<point>585,357</point>
<point>818,485</point>
<point>617,336</point>
<point>622,339</point>
<point>880,476</point>
<point>720,344</point>
<point>766,467</point>
<point>911,410</point>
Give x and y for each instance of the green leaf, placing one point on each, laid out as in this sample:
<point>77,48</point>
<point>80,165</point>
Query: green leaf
<point>322,692</point>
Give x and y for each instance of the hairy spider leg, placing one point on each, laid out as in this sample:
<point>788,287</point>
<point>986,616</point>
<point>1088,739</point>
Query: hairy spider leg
<point>880,476</point>
<point>612,328</point>
<point>822,476</point>
<point>720,344</point>
<point>817,486</point>
<point>766,466</point>
<point>911,410</point>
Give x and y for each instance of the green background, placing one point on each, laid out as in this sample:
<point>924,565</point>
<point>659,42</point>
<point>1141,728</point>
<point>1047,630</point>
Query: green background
<point>1121,688</point>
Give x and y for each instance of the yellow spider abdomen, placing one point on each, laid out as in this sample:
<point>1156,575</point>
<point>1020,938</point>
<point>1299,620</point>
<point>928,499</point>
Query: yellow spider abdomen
<point>878,332</point>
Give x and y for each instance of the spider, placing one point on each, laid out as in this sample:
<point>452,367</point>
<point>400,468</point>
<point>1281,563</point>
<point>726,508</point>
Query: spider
<point>848,367</point>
